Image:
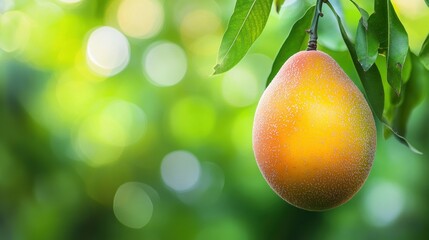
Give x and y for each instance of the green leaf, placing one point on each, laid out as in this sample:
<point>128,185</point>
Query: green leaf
<point>402,139</point>
<point>371,80</point>
<point>393,40</point>
<point>378,24</point>
<point>293,42</point>
<point>279,4</point>
<point>424,52</point>
<point>397,50</point>
<point>366,41</point>
<point>427,2</point>
<point>412,95</point>
<point>245,26</point>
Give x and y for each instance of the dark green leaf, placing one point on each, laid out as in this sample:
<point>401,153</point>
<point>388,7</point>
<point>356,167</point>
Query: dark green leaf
<point>366,45</point>
<point>293,43</point>
<point>402,139</point>
<point>378,24</point>
<point>366,42</point>
<point>371,80</point>
<point>427,2</point>
<point>395,99</point>
<point>393,40</point>
<point>412,96</point>
<point>279,4</point>
<point>397,49</point>
<point>424,52</point>
<point>245,26</point>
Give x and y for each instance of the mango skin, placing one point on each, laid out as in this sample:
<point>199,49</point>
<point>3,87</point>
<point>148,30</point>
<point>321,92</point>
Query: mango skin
<point>314,135</point>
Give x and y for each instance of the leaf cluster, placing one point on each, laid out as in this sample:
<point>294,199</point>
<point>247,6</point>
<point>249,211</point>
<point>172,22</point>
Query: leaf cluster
<point>391,75</point>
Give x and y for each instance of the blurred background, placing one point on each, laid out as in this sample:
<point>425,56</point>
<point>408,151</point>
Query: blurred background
<point>112,126</point>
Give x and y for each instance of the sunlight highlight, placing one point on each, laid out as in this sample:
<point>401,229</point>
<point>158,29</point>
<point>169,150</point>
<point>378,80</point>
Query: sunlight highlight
<point>384,203</point>
<point>199,23</point>
<point>132,205</point>
<point>243,84</point>
<point>240,87</point>
<point>180,170</point>
<point>122,123</point>
<point>107,52</point>
<point>165,63</point>
<point>6,5</point>
<point>15,28</point>
<point>140,18</point>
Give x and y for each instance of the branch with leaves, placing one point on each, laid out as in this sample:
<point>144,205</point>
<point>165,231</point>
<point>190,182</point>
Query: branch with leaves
<point>380,37</point>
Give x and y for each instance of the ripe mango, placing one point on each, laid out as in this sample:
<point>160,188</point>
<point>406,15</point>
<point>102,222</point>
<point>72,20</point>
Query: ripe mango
<point>314,135</point>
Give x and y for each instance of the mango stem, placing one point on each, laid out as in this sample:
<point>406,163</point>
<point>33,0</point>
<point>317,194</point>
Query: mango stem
<point>312,42</point>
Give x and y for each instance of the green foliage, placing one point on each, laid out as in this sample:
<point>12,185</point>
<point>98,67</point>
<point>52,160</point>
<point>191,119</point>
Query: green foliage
<point>380,33</point>
<point>412,89</point>
<point>246,24</point>
<point>397,49</point>
<point>366,41</point>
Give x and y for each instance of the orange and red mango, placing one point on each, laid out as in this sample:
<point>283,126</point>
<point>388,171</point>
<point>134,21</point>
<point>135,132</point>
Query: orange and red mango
<point>314,135</point>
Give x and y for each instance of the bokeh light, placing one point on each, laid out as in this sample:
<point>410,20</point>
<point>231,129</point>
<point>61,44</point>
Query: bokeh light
<point>107,51</point>
<point>15,27</point>
<point>180,170</point>
<point>103,135</point>
<point>123,123</point>
<point>384,203</point>
<point>242,85</point>
<point>6,5</point>
<point>165,63</point>
<point>132,205</point>
<point>200,28</point>
<point>140,18</point>
<point>199,23</point>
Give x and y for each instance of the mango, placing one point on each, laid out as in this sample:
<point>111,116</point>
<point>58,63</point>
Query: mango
<point>314,136</point>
